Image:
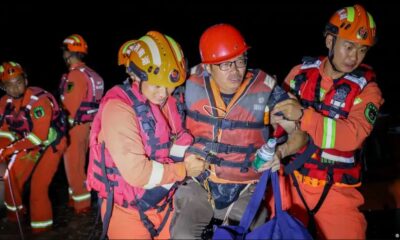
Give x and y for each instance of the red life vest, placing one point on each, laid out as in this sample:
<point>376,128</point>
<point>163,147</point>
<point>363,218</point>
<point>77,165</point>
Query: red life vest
<point>21,121</point>
<point>337,104</point>
<point>90,104</point>
<point>229,142</point>
<point>156,133</point>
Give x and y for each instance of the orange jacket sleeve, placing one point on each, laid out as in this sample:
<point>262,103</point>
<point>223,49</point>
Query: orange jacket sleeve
<point>74,95</point>
<point>6,136</point>
<point>4,142</point>
<point>121,135</point>
<point>290,76</point>
<point>41,115</point>
<point>342,134</point>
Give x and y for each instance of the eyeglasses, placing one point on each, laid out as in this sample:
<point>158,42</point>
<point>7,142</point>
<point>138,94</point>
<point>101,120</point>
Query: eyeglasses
<point>239,63</point>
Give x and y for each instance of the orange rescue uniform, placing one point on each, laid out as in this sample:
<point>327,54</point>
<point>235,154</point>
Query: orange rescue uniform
<point>340,208</point>
<point>75,154</point>
<point>125,145</point>
<point>27,157</point>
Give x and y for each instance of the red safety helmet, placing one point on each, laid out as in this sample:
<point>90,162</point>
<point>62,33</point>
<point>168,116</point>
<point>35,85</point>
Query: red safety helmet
<point>10,70</point>
<point>221,42</point>
<point>354,24</point>
<point>76,43</point>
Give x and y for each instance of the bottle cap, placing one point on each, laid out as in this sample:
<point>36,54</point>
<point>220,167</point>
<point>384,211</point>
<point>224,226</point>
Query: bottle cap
<point>271,142</point>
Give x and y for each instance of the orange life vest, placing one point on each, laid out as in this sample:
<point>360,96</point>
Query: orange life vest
<point>229,138</point>
<point>156,137</point>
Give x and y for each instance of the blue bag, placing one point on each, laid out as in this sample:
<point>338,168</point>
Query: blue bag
<point>282,226</point>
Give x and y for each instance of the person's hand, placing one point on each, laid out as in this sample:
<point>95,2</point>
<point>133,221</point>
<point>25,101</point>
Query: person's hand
<point>274,165</point>
<point>8,151</point>
<point>289,109</point>
<point>296,140</point>
<point>4,155</point>
<point>194,165</point>
<point>289,126</point>
<point>2,158</point>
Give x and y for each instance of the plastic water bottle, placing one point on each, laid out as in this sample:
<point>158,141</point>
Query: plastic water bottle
<point>265,153</point>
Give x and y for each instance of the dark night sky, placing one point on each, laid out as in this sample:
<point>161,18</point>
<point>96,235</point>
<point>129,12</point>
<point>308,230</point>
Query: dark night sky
<point>280,34</point>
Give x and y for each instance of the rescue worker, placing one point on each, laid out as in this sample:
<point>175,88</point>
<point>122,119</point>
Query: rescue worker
<point>81,90</point>
<point>137,141</point>
<point>228,114</point>
<point>32,140</point>
<point>339,106</point>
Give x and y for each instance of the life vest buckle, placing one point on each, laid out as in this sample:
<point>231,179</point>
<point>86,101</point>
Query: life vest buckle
<point>211,158</point>
<point>226,124</point>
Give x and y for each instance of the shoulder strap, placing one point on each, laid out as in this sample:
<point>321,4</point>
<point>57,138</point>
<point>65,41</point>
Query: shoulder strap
<point>37,93</point>
<point>301,159</point>
<point>90,80</point>
<point>147,120</point>
<point>178,95</point>
<point>7,110</point>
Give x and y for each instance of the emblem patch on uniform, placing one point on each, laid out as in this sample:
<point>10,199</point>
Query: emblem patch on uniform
<point>371,113</point>
<point>362,33</point>
<point>38,112</point>
<point>341,93</point>
<point>70,86</point>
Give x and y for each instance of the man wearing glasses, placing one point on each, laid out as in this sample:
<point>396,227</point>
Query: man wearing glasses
<point>228,114</point>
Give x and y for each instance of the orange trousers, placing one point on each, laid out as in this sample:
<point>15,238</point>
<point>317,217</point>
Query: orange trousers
<point>74,162</point>
<point>285,195</point>
<point>23,166</point>
<point>126,224</point>
<point>394,190</point>
<point>338,217</point>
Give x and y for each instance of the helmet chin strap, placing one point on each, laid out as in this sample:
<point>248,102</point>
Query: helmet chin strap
<point>331,55</point>
<point>140,87</point>
<point>67,60</point>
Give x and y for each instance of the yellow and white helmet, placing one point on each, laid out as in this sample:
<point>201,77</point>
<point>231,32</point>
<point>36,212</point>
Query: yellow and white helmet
<point>155,58</point>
